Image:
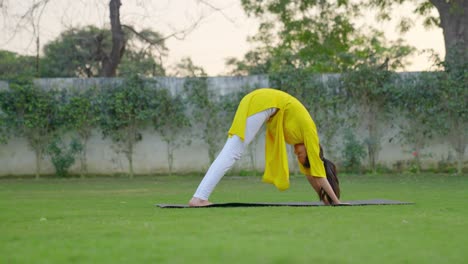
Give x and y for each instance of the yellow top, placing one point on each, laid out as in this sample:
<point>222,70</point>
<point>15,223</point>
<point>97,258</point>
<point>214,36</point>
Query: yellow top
<point>291,124</point>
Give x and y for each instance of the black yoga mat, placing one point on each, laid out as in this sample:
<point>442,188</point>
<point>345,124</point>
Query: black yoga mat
<point>296,204</point>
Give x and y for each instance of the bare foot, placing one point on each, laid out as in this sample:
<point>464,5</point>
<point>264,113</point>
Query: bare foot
<point>194,202</point>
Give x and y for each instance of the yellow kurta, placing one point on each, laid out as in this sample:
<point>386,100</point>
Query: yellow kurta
<point>292,124</point>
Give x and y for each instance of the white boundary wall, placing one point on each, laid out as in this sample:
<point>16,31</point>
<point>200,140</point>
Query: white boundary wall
<point>16,158</point>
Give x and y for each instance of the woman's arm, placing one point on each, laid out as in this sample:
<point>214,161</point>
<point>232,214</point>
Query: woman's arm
<point>322,183</point>
<point>316,187</point>
<point>314,184</point>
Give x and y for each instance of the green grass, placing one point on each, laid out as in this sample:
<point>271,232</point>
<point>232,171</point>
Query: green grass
<point>114,220</point>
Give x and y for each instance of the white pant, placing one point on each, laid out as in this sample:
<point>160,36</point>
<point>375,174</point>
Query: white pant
<point>231,152</point>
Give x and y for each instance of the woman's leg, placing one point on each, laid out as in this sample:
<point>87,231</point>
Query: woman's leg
<point>231,152</point>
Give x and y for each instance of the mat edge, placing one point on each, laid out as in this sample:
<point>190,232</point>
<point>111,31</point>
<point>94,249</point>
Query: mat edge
<point>291,204</point>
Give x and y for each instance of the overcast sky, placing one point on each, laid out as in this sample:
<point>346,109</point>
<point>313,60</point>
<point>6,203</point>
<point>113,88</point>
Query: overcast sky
<point>218,35</point>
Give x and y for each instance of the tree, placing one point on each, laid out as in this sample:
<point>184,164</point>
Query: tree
<point>434,105</point>
<point>80,52</point>
<point>186,68</point>
<point>63,155</point>
<point>409,100</point>
<point>126,109</point>
<point>202,105</point>
<point>453,18</point>
<point>81,112</point>
<point>442,103</point>
<point>3,127</point>
<point>454,104</point>
<point>111,58</point>
<point>13,65</point>
<point>369,87</point>
<point>204,112</point>
<point>255,62</point>
<point>260,59</point>
<point>301,21</point>
<point>172,123</point>
<point>353,152</point>
<point>311,35</point>
<point>32,113</point>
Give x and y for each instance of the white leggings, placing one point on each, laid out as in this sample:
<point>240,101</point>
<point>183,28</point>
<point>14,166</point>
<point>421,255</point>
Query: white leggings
<point>231,152</point>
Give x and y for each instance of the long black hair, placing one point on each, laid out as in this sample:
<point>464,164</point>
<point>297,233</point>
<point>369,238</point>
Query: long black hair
<point>332,177</point>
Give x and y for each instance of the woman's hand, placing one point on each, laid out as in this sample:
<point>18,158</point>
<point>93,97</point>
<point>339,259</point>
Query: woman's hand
<point>340,203</point>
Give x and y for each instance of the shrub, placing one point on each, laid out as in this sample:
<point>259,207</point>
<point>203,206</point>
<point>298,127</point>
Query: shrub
<point>353,152</point>
<point>63,156</point>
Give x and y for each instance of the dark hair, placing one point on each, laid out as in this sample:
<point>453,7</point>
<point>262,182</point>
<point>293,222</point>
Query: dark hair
<point>332,177</point>
<point>307,163</point>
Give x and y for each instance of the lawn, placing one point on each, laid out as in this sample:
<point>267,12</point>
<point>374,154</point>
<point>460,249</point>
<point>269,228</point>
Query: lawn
<point>114,220</point>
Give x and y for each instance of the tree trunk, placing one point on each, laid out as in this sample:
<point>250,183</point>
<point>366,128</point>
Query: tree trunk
<point>38,163</point>
<point>454,23</point>
<point>130,162</point>
<point>83,161</point>
<point>460,158</point>
<point>457,139</point>
<point>111,62</point>
<point>210,139</point>
<point>131,131</point>
<point>170,156</point>
<point>372,144</point>
<point>129,155</point>
<point>417,158</point>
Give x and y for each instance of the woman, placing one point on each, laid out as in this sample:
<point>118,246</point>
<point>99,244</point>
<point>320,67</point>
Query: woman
<point>288,121</point>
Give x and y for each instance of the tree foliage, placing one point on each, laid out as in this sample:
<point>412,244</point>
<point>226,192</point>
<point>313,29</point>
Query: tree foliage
<point>202,105</point>
<point>369,89</point>
<point>79,52</point>
<point>81,115</point>
<point>32,113</point>
<point>4,135</point>
<point>258,60</point>
<point>14,66</point>
<point>452,19</point>
<point>353,152</point>
<point>186,68</point>
<point>432,106</point>
<point>319,35</point>
<point>172,123</point>
<point>439,104</point>
<point>453,106</point>
<point>126,109</point>
<point>205,113</point>
<point>210,114</point>
<point>311,35</point>
<point>122,34</point>
<point>63,155</point>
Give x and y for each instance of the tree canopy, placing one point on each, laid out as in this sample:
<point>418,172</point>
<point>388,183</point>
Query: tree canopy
<point>80,52</point>
<point>452,18</point>
<point>322,36</point>
<point>13,65</point>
